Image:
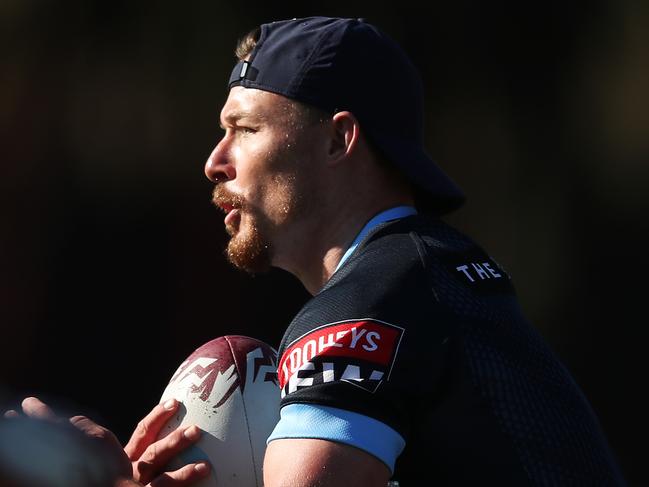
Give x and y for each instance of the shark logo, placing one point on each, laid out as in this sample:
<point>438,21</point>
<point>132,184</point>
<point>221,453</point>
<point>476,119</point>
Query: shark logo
<point>227,362</point>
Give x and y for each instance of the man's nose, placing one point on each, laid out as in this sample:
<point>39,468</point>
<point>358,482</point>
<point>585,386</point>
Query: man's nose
<point>219,167</point>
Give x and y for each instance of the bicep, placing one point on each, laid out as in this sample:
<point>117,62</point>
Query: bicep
<point>305,462</point>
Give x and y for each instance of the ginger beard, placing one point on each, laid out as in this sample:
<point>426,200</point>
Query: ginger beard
<point>246,249</point>
<point>250,247</point>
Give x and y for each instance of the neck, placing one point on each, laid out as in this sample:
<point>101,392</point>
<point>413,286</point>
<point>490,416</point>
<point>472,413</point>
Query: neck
<point>323,241</point>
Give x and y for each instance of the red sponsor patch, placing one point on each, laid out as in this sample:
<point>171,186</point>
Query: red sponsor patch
<point>369,342</point>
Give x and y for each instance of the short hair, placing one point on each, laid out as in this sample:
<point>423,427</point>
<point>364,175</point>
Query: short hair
<point>247,43</point>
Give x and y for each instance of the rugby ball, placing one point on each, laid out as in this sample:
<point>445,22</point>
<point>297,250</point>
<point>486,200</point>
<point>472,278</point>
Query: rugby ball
<point>228,387</point>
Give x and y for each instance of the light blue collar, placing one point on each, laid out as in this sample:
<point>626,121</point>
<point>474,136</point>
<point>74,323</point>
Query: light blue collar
<point>384,216</point>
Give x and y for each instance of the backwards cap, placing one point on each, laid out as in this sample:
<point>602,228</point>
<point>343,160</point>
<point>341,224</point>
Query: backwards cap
<point>347,64</point>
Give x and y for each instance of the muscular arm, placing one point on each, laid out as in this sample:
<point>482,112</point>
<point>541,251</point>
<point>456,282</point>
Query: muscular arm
<point>321,463</point>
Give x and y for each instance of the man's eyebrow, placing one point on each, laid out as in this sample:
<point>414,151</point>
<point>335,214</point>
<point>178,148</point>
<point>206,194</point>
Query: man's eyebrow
<point>234,116</point>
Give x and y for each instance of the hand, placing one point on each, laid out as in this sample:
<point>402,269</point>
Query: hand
<point>143,459</point>
<point>76,449</point>
<point>149,457</point>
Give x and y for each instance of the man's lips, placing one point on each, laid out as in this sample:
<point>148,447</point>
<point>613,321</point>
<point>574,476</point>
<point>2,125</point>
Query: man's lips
<point>230,203</point>
<point>226,207</point>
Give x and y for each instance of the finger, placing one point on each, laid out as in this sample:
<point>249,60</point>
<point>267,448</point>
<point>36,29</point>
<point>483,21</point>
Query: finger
<point>92,429</point>
<point>147,430</point>
<point>182,477</point>
<point>158,454</point>
<point>35,408</point>
<point>86,425</point>
<point>11,414</point>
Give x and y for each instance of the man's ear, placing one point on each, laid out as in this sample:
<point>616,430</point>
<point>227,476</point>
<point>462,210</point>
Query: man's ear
<point>345,131</point>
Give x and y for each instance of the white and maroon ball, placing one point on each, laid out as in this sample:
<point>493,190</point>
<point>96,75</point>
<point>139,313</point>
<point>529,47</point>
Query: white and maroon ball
<point>228,387</point>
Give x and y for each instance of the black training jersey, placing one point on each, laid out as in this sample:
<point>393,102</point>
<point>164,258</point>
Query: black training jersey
<point>421,330</point>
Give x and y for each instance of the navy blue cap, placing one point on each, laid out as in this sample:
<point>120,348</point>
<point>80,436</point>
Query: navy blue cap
<point>348,64</point>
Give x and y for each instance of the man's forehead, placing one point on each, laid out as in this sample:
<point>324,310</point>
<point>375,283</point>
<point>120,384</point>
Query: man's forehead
<point>252,103</point>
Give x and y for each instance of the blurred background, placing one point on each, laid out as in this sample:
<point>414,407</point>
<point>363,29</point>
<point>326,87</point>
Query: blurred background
<point>111,254</point>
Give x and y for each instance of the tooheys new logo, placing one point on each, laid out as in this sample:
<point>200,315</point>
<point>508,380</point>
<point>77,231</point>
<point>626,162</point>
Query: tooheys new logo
<point>360,352</point>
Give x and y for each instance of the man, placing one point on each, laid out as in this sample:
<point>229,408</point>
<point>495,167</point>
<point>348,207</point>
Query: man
<point>412,361</point>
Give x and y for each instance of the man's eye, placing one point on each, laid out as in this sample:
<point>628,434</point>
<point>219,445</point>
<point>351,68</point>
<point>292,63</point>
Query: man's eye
<point>247,130</point>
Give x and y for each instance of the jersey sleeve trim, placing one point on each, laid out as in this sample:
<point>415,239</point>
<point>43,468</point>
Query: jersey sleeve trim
<point>339,425</point>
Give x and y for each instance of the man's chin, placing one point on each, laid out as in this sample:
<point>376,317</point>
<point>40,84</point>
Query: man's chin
<point>250,255</point>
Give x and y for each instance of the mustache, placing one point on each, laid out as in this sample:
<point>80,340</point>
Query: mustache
<point>224,198</point>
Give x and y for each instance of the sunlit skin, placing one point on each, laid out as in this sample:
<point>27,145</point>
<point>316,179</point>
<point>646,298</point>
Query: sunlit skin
<point>295,194</point>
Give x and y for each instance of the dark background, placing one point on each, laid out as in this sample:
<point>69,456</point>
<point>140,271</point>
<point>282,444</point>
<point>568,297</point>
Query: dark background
<point>111,263</point>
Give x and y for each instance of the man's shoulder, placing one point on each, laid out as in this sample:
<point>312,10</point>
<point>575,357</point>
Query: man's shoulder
<point>452,261</point>
<point>414,272</point>
<point>428,251</point>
